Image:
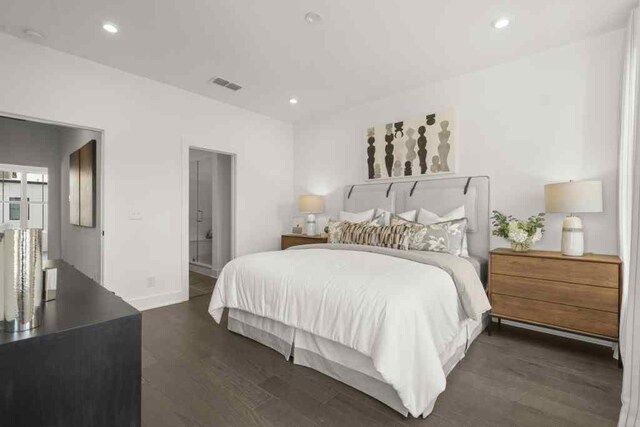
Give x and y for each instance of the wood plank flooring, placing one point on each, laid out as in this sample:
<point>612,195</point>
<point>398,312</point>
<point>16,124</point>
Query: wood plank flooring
<point>200,285</point>
<point>197,373</point>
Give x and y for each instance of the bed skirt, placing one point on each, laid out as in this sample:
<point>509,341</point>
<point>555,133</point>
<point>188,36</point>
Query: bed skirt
<point>338,361</point>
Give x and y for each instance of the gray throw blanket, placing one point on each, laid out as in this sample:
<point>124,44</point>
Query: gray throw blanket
<point>470,290</point>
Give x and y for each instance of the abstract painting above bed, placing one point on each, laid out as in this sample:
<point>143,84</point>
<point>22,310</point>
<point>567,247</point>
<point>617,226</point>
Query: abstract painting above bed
<point>422,146</point>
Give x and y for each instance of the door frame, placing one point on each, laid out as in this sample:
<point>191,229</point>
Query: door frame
<point>103,139</point>
<point>188,144</point>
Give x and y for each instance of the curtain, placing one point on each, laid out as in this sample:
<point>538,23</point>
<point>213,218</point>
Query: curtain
<point>629,222</point>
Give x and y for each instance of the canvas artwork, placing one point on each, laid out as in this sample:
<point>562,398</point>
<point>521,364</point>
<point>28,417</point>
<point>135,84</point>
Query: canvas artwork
<point>418,147</point>
<point>82,185</point>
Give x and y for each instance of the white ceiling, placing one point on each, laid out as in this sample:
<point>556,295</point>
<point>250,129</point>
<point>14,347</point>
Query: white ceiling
<point>363,50</point>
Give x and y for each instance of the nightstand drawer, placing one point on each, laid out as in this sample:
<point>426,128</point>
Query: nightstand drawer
<point>595,297</point>
<point>575,271</point>
<point>567,317</point>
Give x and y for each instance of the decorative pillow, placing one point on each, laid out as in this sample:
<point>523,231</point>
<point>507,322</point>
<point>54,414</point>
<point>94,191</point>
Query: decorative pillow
<point>397,219</point>
<point>356,217</point>
<point>409,215</point>
<point>378,220</point>
<point>337,227</point>
<point>444,236</point>
<point>426,217</point>
<point>396,237</point>
<point>335,230</point>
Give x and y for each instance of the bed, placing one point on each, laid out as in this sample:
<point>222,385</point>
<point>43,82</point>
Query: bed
<point>388,322</point>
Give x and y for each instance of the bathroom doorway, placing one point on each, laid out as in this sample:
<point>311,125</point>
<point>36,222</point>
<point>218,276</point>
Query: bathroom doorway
<point>210,218</point>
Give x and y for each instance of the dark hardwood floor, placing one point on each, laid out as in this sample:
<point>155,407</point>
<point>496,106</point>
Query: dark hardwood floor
<point>200,285</point>
<point>197,373</point>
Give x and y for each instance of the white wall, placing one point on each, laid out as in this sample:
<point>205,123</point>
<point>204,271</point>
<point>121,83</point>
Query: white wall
<point>145,123</point>
<point>545,118</point>
<point>34,144</point>
<point>80,245</point>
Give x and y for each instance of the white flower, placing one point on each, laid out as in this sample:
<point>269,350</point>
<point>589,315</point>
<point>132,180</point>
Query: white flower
<point>517,235</point>
<point>537,235</point>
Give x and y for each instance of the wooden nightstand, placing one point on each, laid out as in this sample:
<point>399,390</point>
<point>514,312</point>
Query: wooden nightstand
<point>289,240</point>
<point>574,294</point>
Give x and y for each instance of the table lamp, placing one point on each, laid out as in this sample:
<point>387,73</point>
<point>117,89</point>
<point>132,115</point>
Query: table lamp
<point>571,198</point>
<point>311,205</point>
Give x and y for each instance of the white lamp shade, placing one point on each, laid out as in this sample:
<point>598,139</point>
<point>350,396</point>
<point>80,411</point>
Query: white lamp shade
<point>573,197</point>
<point>311,204</point>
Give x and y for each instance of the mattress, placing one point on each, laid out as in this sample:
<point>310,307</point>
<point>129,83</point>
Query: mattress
<point>338,361</point>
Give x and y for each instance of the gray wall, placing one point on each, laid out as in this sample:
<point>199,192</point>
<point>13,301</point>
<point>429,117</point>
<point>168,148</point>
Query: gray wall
<point>80,245</point>
<point>222,209</point>
<point>35,144</point>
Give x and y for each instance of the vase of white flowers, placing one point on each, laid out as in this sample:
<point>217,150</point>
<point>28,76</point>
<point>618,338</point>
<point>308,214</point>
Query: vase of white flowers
<point>521,234</point>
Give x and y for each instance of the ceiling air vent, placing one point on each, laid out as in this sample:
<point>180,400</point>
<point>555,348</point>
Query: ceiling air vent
<point>225,83</point>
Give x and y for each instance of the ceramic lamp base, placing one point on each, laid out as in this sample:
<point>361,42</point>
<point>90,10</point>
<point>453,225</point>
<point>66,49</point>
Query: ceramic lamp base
<point>572,236</point>
<point>311,225</point>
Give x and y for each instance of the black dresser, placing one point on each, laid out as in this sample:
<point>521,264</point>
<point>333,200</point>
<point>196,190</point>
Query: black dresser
<point>81,367</point>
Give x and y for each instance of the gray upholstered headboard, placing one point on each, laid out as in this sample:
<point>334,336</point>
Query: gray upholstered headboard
<point>436,195</point>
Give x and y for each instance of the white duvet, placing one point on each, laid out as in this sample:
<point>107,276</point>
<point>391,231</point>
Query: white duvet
<point>403,314</point>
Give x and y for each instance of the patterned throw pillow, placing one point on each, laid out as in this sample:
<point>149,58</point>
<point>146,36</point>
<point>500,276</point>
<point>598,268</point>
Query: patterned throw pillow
<point>337,227</point>
<point>395,237</point>
<point>335,230</point>
<point>397,219</point>
<point>378,220</point>
<point>444,236</point>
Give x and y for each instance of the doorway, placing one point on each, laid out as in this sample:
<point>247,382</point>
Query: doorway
<point>35,190</point>
<point>210,218</point>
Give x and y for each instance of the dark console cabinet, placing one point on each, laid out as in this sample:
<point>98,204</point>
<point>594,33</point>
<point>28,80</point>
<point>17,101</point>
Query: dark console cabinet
<point>81,367</point>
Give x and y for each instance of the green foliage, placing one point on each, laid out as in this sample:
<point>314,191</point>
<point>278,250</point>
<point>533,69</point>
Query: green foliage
<point>501,223</point>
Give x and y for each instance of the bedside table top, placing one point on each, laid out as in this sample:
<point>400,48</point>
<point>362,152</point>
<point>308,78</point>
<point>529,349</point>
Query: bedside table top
<point>588,257</point>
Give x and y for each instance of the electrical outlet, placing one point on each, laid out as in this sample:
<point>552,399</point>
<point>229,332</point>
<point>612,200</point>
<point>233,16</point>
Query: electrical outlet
<point>135,215</point>
<point>151,282</point>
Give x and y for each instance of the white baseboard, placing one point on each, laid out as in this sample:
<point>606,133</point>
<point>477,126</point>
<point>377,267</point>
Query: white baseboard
<point>155,301</point>
<point>211,272</point>
<point>564,334</point>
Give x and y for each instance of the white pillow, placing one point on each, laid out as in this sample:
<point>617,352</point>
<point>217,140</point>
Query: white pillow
<point>356,217</point>
<point>426,217</point>
<point>407,216</point>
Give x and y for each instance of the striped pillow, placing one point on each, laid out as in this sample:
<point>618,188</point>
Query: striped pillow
<point>337,227</point>
<point>390,236</point>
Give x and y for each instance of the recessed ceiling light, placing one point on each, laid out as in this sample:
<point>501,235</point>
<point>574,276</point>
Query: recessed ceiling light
<point>110,28</point>
<point>33,34</point>
<point>500,23</point>
<point>293,101</point>
<point>313,18</point>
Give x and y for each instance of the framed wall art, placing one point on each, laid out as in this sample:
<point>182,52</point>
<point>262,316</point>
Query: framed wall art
<point>418,147</point>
